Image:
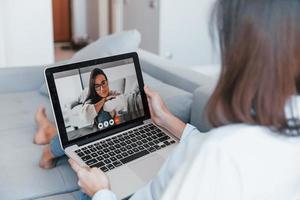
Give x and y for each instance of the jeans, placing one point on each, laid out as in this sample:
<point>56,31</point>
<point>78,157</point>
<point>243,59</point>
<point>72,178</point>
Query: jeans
<point>56,148</point>
<point>83,196</point>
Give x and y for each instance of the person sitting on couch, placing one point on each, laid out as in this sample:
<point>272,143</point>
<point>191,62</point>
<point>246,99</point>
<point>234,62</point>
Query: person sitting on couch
<point>253,153</point>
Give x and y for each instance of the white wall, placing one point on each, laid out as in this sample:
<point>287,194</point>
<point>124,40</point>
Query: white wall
<point>92,10</point>
<point>122,71</point>
<point>174,29</point>
<point>103,17</point>
<point>27,32</point>
<point>138,15</point>
<point>185,32</point>
<point>2,39</point>
<point>68,89</point>
<point>116,16</point>
<point>90,18</point>
<point>79,18</point>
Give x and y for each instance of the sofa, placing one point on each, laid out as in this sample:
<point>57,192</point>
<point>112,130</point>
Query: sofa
<point>22,92</point>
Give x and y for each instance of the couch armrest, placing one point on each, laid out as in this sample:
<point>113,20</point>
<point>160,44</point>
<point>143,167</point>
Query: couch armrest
<point>172,74</point>
<point>200,99</point>
<point>20,79</point>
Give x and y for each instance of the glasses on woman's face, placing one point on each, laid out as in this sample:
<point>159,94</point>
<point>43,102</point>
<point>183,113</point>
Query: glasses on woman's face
<point>103,84</point>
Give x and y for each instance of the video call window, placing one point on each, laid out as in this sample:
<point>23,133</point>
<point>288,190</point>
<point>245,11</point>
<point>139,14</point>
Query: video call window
<point>97,97</point>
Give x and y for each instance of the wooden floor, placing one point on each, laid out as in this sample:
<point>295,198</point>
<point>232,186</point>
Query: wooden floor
<point>62,54</point>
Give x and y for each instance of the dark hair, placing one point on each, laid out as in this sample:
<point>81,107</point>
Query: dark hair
<point>260,55</point>
<point>92,96</point>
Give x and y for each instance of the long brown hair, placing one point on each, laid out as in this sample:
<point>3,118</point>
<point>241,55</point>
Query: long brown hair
<point>260,59</point>
<point>92,96</point>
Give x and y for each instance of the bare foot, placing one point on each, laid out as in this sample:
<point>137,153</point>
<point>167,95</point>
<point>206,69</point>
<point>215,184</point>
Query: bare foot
<point>47,160</point>
<point>45,129</point>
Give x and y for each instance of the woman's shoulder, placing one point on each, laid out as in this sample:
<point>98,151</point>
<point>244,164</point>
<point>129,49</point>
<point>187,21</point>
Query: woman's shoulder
<point>88,101</point>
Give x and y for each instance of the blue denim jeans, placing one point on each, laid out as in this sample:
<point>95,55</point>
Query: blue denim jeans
<point>83,196</point>
<point>56,148</point>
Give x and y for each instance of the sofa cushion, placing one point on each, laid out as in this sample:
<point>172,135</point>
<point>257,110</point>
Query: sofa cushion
<point>198,115</point>
<point>119,43</point>
<point>178,101</point>
<point>20,176</point>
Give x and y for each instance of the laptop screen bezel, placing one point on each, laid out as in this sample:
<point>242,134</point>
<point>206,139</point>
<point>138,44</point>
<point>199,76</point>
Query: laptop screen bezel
<point>50,80</point>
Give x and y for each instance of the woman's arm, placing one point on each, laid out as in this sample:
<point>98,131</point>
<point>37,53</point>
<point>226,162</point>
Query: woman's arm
<point>89,112</point>
<point>161,115</point>
<point>98,106</point>
<point>174,125</point>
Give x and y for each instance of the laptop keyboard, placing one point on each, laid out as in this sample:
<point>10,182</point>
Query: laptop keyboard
<point>118,150</point>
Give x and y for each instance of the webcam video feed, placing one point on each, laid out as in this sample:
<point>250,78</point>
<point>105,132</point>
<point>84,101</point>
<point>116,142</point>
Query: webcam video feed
<point>98,97</point>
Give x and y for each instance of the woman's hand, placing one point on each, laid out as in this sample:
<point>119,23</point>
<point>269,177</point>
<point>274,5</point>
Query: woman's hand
<point>112,95</point>
<point>99,104</point>
<point>91,180</point>
<point>158,110</point>
<point>161,115</point>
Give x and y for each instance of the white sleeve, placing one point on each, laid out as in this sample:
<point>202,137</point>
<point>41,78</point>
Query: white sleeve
<point>89,112</point>
<point>156,187</point>
<point>104,195</point>
<point>188,131</point>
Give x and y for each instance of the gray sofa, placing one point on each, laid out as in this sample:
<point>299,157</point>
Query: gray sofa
<point>184,92</point>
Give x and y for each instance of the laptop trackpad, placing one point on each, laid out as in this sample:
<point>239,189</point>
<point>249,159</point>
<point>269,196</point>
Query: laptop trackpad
<point>147,168</point>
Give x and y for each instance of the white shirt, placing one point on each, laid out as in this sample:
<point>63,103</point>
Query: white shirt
<point>234,162</point>
<point>231,162</point>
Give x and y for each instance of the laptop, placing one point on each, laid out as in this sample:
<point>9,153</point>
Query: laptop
<point>103,120</point>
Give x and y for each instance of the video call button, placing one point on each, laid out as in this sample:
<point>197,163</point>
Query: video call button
<point>111,122</point>
<point>117,120</point>
<point>106,124</point>
<point>100,126</point>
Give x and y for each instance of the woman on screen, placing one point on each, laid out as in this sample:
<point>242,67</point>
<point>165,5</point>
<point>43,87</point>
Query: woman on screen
<point>98,95</point>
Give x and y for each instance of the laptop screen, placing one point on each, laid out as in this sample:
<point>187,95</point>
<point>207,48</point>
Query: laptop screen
<point>98,97</point>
